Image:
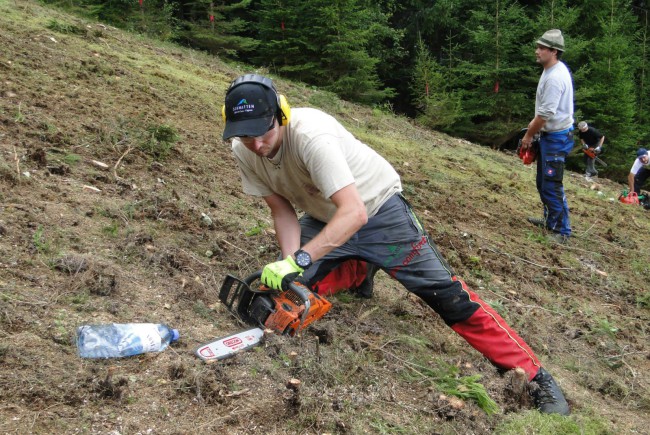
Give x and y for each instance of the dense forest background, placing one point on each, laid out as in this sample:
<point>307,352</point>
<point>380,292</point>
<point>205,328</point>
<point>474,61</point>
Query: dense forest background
<point>465,67</point>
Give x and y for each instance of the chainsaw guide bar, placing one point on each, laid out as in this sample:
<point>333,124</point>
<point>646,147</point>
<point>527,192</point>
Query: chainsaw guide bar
<point>284,312</point>
<point>226,347</point>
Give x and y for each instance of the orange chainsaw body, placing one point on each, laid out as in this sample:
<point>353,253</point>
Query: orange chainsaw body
<point>286,311</point>
<point>289,315</point>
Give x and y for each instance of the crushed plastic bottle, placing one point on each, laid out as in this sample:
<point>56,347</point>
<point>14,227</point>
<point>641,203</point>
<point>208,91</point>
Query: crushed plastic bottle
<point>117,340</point>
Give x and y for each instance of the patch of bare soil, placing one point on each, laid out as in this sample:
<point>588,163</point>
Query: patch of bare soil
<point>96,227</point>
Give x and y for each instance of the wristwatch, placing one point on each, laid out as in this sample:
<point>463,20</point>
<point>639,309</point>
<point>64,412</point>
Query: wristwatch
<point>303,259</point>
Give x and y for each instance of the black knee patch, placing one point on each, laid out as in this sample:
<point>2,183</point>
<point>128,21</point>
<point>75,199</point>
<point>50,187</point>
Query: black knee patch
<point>452,303</point>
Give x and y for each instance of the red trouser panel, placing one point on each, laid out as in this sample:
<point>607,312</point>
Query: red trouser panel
<point>349,274</point>
<point>488,333</point>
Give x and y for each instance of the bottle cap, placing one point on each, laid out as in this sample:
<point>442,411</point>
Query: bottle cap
<point>175,335</point>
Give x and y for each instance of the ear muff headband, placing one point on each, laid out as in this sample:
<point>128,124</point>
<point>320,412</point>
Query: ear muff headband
<point>283,115</point>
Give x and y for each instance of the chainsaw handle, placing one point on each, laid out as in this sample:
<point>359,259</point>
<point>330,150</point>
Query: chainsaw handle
<point>253,277</point>
<point>299,289</point>
<point>302,291</point>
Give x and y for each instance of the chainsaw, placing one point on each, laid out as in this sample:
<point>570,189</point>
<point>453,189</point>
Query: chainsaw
<point>284,312</point>
<point>529,155</point>
<point>592,155</point>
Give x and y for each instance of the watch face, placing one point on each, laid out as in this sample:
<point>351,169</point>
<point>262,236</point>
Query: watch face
<point>303,259</point>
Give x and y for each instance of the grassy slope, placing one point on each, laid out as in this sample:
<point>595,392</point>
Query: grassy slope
<point>72,92</point>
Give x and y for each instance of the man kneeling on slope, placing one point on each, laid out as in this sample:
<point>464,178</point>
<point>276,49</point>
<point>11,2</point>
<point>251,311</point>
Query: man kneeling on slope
<point>354,210</point>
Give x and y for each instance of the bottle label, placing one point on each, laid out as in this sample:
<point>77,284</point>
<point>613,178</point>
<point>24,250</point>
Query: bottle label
<point>145,335</point>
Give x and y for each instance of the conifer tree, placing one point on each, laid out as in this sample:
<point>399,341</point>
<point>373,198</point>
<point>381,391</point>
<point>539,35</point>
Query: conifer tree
<point>324,42</point>
<point>217,26</point>
<point>643,72</point>
<point>494,96</point>
<point>438,105</point>
<point>611,98</point>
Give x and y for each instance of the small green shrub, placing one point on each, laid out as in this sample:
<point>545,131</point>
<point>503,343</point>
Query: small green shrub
<point>65,28</point>
<point>159,140</point>
<point>19,118</point>
<point>643,300</point>
<point>40,242</point>
<point>257,229</point>
<point>72,159</point>
<point>112,230</point>
<point>498,306</point>
<point>445,378</point>
<point>604,327</point>
<point>202,310</point>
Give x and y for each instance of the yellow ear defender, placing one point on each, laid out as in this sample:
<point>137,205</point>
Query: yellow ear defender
<point>283,115</point>
<point>284,110</point>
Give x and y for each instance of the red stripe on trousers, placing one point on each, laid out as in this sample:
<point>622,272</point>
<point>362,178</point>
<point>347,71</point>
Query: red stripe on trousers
<point>349,274</point>
<point>487,332</point>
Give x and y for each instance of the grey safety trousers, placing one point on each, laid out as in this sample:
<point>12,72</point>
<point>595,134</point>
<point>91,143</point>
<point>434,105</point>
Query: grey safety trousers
<point>395,241</point>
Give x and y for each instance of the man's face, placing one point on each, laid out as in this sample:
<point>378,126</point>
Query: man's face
<point>544,55</point>
<point>266,145</point>
<point>644,159</point>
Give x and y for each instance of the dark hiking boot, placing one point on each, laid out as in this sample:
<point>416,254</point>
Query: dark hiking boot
<point>367,286</point>
<point>540,222</point>
<point>546,394</point>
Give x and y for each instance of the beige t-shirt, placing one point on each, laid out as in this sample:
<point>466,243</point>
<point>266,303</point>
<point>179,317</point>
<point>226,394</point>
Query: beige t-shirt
<point>317,158</point>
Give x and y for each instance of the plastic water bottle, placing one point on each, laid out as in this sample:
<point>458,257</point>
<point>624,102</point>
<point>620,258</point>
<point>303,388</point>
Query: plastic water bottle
<point>116,340</point>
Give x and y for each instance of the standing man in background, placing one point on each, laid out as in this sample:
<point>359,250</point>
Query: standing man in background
<point>554,120</point>
<point>592,143</point>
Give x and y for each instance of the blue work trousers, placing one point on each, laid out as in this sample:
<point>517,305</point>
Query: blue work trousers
<point>553,149</point>
<point>640,178</point>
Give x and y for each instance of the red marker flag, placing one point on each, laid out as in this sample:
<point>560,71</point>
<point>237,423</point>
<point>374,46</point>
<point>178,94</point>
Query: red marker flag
<point>140,3</point>
<point>496,87</point>
<point>282,25</point>
<point>211,18</point>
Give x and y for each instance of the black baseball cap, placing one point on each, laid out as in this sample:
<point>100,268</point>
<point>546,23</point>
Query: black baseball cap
<point>250,109</point>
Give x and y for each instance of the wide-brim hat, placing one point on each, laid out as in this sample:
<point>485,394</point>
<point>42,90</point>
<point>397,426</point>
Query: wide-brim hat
<point>552,39</point>
<point>250,109</point>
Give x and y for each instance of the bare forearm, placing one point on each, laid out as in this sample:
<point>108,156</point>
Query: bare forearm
<point>630,181</point>
<point>535,125</point>
<point>285,222</point>
<point>287,233</point>
<point>339,230</point>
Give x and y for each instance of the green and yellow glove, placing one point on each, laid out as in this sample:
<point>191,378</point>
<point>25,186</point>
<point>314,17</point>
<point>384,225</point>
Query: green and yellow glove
<point>280,274</point>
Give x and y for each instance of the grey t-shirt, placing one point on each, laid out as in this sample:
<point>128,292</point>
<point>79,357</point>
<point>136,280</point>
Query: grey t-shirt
<point>554,98</point>
<point>317,158</point>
